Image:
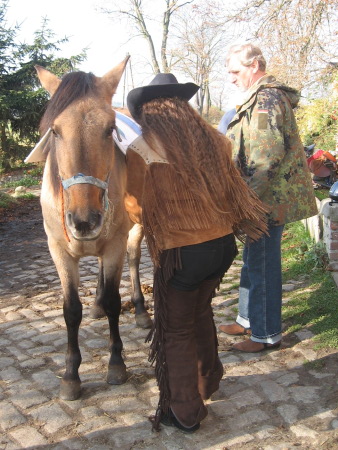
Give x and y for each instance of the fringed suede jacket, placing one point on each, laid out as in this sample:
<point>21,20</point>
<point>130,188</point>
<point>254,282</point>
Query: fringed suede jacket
<point>172,215</point>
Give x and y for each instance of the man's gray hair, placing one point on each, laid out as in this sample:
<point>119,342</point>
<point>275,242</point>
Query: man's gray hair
<point>248,53</point>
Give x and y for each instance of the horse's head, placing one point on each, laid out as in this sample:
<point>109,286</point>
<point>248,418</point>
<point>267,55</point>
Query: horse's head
<point>80,120</point>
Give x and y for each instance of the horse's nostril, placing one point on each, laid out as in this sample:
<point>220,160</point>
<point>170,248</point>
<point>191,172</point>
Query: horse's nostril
<point>99,218</point>
<point>69,218</point>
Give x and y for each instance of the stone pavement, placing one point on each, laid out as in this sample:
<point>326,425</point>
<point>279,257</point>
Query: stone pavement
<point>271,400</point>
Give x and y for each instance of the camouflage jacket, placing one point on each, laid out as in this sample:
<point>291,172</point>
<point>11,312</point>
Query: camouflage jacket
<point>268,150</point>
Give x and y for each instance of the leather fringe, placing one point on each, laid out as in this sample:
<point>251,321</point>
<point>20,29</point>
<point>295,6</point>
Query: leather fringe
<point>170,260</point>
<point>166,196</point>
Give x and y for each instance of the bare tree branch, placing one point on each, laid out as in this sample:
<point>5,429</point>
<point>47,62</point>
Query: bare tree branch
<point>293,33</point>
<point>134,13</point>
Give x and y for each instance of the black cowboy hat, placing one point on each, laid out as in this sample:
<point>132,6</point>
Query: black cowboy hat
<point>164,85</point>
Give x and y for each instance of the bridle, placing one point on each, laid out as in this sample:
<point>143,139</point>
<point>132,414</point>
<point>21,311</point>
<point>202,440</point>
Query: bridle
<point>87,179</point>
<point>80,178</point>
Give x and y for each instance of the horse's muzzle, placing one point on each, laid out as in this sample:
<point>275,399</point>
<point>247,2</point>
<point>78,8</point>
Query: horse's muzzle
<point>85,228</point>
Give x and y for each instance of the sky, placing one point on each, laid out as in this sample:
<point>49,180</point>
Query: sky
<point>107,41</point>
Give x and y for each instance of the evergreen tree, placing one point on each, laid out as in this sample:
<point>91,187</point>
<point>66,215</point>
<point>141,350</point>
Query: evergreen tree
<point>22,100</point>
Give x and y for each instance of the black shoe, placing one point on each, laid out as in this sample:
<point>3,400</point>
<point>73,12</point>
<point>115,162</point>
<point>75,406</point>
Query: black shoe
<point>171,421</point>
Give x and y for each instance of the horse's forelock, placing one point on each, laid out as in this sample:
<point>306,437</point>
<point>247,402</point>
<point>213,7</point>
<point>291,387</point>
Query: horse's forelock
<point>74,86</point>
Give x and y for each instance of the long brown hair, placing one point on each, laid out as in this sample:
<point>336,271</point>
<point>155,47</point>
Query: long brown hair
<point>199,153</point>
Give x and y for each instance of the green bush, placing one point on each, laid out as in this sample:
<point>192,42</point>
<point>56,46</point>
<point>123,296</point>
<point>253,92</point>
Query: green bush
<point>318,120</point>
<point>317,123</point>
<point>317,256</point>
<point>35,171</point>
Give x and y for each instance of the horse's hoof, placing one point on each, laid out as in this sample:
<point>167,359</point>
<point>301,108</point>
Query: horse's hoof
<point>97,312</point>
<point>70,390</point>
<point>143,320</point>
<point>117,374</point>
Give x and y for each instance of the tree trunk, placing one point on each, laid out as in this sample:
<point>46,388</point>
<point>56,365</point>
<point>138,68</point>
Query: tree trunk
<point>4,150</point>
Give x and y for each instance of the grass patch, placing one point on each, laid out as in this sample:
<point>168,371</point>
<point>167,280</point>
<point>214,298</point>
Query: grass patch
<point>26,181</point>
<point>6,201</point>
<point>223,315</point>
<point>27,196</point>
<point>296,241</point>
<point>234,301</point>
<point>318,364</point>
<point>230,288</point>
<point>315,308</point>
<point>322,193</point>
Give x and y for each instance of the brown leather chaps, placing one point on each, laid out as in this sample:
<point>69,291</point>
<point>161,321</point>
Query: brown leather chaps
<point>193,367</point>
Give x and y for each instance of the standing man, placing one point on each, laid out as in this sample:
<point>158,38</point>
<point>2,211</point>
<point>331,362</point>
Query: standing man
<point>268,151</point>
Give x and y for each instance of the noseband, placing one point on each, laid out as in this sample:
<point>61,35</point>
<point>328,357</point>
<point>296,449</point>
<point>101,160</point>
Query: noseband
<point>87,179</point>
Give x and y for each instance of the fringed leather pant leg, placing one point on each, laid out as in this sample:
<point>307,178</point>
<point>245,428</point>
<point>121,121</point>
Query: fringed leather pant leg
<point>210,368</point>
<point>181,354</point>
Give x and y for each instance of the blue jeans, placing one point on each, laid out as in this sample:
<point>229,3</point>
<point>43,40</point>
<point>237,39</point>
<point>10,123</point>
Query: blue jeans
<point>260,291</point>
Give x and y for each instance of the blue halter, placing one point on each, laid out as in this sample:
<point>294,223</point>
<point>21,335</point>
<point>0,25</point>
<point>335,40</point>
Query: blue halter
<point>87,179</point>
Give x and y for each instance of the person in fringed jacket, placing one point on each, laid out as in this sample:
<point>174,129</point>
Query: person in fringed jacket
<point>269,153</point>
<point>185,189</point>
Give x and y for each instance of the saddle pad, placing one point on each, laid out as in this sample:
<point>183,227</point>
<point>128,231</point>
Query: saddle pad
<point>128,129</point>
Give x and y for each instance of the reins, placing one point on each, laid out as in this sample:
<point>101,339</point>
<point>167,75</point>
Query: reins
<point>63,213</point>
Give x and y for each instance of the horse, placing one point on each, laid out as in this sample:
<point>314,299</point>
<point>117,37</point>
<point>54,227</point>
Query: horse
<point>82,201</point>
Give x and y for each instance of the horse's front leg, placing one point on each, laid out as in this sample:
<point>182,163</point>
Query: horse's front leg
<point>111,265</point>
<point>135,237</point>
<point>68,270</point>
<point>97,311</point>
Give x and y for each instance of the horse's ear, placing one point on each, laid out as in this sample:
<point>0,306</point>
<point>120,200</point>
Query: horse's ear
<point>112,78</point>
<point>47,79</point>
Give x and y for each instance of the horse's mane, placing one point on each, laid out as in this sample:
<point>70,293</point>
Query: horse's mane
<point>74,86</point>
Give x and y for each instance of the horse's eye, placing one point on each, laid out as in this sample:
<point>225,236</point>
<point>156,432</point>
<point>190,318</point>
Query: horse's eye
<point>110,130</point>
<point>54,132</point>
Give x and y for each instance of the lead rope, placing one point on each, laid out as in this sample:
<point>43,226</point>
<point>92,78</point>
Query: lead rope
<point>62,213</point>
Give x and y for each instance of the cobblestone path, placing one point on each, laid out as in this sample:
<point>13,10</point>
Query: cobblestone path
<point>271,400</point>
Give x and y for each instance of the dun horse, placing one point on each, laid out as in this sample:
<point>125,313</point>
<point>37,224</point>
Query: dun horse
<point>82,204</point>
